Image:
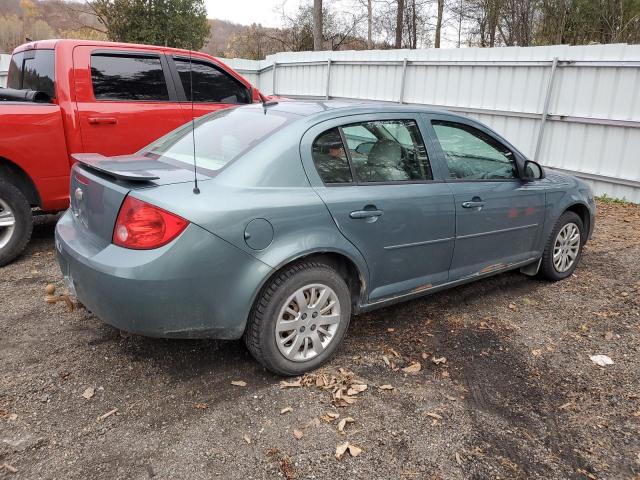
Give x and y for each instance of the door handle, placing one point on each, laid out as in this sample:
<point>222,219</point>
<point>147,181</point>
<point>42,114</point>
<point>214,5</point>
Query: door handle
<point>475,202</point>
<point>103,120</point>
<point>365,214</point>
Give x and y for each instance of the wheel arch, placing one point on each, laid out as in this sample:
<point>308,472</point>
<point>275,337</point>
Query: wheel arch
<point>16,176</point>
<point>583,212</point>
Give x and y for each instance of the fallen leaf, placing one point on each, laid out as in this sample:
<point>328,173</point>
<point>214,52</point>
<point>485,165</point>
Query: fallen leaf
<point>201,406</point>
<point>513,306</point>
<point>386,387</point>
<point>391,330</point>
<point>434,415</point>
<point>386,360</point>
<point>298,434</point>
<point>9,468</point>
<point>395,354</point>
<point>341,449</point>
<point>294,384</point>
<point>415,367</point>
<point>356,389</point>
<point>537,352</point>
<point>601,360</point>
<point>89,392</point>
<point>107,415</point>
<point>438,361</point>
<point>342,423</point>
<point>247,438</point>
<point>458,458</point>
<point>239,383</point>
<point>424,355</point>
<point>608,335</point>
<point>50,289</point>
<point>354,450</point>
<point>286,410</point>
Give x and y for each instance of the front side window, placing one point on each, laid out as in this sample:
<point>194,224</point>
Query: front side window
<point>387,151</point>
<point>330,158</point>
<point>209,83</point>
<point>132,78</point>
<point>471,154</point>
<point>32,70</point>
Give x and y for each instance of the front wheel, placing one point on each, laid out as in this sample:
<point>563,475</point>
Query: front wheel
<point>16,222</point>
<point>299,318</point>
<point>564,248</point>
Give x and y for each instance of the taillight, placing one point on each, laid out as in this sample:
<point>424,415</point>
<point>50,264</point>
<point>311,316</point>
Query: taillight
<point>143,226</point>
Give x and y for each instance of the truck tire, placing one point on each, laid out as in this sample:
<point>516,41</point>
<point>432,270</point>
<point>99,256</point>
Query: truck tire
<point>16,222</point>
<point>299,318</point>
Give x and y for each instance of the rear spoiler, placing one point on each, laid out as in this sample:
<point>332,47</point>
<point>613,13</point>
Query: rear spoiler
<point>129,167</point>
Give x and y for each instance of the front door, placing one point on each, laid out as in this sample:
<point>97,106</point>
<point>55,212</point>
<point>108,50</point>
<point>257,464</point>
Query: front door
<point>125,99</point>
<point>499,217</point>
<point>375,177</point>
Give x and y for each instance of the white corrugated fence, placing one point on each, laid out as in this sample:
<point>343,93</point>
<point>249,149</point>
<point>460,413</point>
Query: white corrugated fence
<point>4,68</point>
<point>572,108</point>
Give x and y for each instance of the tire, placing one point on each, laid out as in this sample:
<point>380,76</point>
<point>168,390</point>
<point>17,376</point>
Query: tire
<point>14,239</point>
<point>548,268</point>
<point>268,314</point>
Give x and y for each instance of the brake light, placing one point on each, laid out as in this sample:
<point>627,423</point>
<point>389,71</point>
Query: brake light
<point>142,226</point>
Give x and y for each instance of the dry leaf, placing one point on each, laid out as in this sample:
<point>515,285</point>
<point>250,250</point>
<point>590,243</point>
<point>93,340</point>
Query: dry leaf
<point>239,383</point>
<point>201,406</point>
<point>386,360</point>
<point>458,458</point>
<point>247,438</point>
<point>415,367</point>
<point>330,417</point>
<point>298,434</point>
<point>424,355</point>
<point>386,387</point>
<point>391,330</point>
<point>286,410</point>
<point>356,389</point>
<point>294,384</point>
<point>342,423</point>
<point>9,468</point>
<point>513,306</point>
<point>89,392</point>
<point>438,361</point>
<point>396,354</point>
<point>341,449</point>
<point>434,415</point>
<point>537,352</point>
<point>608,336</point>
<point>50,289</point>
<point>354,450</point>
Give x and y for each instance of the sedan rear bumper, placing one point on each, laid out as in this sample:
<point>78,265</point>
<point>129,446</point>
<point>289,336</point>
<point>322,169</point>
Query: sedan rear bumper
<point>197,286</point>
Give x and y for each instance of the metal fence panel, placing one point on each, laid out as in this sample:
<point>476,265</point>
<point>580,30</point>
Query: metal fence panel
<point>4,67</point>
<point>591,126</point>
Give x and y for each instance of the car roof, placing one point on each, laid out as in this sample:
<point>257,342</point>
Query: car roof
<point>315,109</point>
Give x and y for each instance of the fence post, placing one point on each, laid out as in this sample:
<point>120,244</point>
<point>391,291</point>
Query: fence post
<point>402,80</point>
<point>328,78</point>
<point>545,110</point>
<point>273,78</point>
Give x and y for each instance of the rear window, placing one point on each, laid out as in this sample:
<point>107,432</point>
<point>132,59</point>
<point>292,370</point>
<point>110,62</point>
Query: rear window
<point>33,70</point>
<point>133,78</point>
<point>220,137</point>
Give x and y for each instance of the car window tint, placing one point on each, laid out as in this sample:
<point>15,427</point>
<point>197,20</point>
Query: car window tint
<point>210,84</point>
<point>472,154</point>
<point>387,151</point>
<point>118,77</point>
<point>330,158</point>
<point>32,70</point>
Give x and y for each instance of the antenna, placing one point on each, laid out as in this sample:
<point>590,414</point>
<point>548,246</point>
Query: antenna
<point>196,190</point>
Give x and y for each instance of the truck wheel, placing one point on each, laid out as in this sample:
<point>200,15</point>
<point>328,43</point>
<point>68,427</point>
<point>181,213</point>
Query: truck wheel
<point>564,248</point>
<point>16,222</point>
<point>299,318</point>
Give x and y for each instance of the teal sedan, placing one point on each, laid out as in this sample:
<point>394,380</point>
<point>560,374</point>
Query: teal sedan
<point>277,222</point>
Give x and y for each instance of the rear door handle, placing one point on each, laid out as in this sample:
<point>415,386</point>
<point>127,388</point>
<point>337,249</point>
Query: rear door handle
<point>365,214</point>
<point>103,120</point>
<point>472,204</point>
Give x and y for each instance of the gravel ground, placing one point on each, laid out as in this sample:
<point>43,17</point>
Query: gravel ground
<point>516,397</point>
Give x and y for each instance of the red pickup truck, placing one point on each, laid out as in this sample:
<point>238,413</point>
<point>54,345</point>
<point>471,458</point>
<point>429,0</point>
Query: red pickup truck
<point>108,98</point>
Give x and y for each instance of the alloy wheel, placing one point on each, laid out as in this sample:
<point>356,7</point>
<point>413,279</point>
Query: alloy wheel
<point>7,223</point>
<point>566,247</point>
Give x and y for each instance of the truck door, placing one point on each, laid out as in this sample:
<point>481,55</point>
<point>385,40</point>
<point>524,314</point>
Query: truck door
<point>125,98</point>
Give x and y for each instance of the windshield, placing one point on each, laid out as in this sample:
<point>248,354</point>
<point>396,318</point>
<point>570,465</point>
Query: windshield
<point>220,137</point>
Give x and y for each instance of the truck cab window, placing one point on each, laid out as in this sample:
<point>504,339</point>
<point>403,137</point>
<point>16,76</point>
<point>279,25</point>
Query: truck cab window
<point>33,70</point>
<point>133,78</point>
<point>209,83</point>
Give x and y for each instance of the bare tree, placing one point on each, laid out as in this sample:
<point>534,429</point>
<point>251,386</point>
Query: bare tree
<point>399,23</point>
<point>317,24</point>
<point>369,24</point>
<point>439,24</point>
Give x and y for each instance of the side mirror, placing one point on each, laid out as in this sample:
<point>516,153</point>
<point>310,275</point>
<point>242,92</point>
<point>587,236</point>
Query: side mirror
<point>533,170</point>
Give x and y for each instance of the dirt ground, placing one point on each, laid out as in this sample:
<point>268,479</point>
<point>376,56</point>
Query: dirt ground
<point>516,397</point>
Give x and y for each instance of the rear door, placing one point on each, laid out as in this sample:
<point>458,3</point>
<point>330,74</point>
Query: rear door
<point>375,175</point>
<point>125,99</point>
<point>213,87</point>
<point>499,217</point>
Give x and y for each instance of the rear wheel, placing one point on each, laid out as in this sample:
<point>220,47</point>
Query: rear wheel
<point>564,248</point>
<point>16,222</point>
<point>299,318</point>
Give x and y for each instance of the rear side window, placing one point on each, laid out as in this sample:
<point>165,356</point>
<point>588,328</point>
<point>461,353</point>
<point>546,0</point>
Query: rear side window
<point>133,78</point>
<point>330,158</point>
<point>33,70</point>
<point>210,84</point>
